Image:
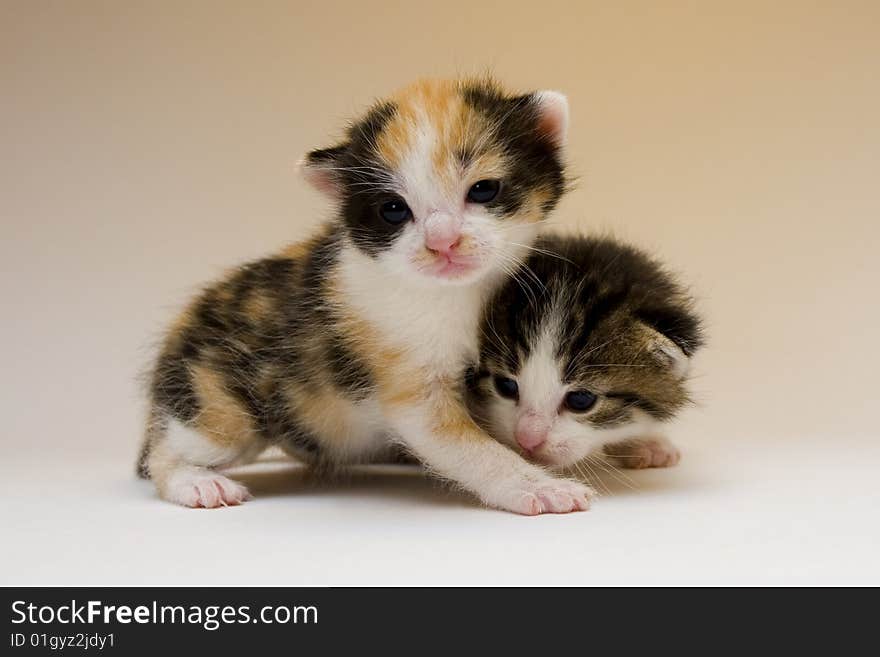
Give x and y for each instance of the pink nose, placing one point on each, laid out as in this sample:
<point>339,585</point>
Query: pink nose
<point>442,241</point>
<point>531,432</point>
<point>442,232</point>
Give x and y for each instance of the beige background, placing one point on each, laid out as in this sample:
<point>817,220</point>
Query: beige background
<point>146,146</point>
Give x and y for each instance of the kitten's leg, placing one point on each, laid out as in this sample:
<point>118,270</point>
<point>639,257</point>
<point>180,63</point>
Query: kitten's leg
<point>181,464</point>
<point>181,458</point>
<point>639,453</point>
<point>442,434</point>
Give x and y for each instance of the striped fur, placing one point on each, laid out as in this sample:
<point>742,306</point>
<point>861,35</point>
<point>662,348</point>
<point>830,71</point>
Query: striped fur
<point>586,315</point>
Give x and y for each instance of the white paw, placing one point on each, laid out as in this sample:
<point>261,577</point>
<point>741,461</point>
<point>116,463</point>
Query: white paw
<point>645,453</point>
<point>202,488</point>
<point>546,495</point>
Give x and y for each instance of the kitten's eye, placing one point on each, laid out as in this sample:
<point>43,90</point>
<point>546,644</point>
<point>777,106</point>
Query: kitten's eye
<point>395,211</point>
<point>483,191</point>
<point>507,388</point>
<point>580,401</point>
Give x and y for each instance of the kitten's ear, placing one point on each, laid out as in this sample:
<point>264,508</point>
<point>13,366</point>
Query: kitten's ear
<point>669,354</point>
<point>320,168</point>
<point>552,116</point>
<point>673,335</point>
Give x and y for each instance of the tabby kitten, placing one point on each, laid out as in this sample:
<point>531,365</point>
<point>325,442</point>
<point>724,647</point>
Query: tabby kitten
<point>587,347</point>
<point>356,341</point>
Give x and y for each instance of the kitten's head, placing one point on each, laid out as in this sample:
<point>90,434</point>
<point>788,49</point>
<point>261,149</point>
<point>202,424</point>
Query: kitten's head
<point>447,180</point>
<point>588,346</point>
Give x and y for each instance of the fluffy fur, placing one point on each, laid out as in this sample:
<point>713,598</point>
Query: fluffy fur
<point>348,345</point>
<point>598,319</point>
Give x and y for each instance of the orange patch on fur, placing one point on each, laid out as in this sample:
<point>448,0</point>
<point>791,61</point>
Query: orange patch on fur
<point>297,250</point>
<point>532,209</point>
<point>320,409</point>
<point>397,137</point>
<point>222,418</point>
<point>435,107</point>
<point>399,389</point>
<point>258,306</point>
<point>449,417</point>
<point>398,382</point>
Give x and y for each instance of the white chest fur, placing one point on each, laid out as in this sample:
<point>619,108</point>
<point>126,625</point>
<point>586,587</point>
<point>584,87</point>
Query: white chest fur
<point>436,325</point>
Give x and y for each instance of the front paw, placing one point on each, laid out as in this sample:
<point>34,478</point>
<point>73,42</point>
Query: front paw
<point>644,453</point>
<point>203,488</point>
<point>545,495</point>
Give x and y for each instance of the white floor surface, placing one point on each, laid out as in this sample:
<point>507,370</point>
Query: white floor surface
<point>741,515</point>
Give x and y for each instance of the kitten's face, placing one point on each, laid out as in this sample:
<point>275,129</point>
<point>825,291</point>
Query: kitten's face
<point>590,347</point>
<point>447,180</point>
<point>557,407</point>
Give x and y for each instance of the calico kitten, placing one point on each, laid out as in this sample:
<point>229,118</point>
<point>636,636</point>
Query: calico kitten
<point>587,347</point>
<point>345,345</point>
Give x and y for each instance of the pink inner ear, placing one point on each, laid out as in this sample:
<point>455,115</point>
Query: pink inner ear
<point>553,119</point>
<point>320,178</point>
<point>679,362</point>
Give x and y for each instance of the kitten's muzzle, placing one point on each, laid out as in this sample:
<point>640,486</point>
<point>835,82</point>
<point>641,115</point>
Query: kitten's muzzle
<point>442,233</point>
<point>531,431</point>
